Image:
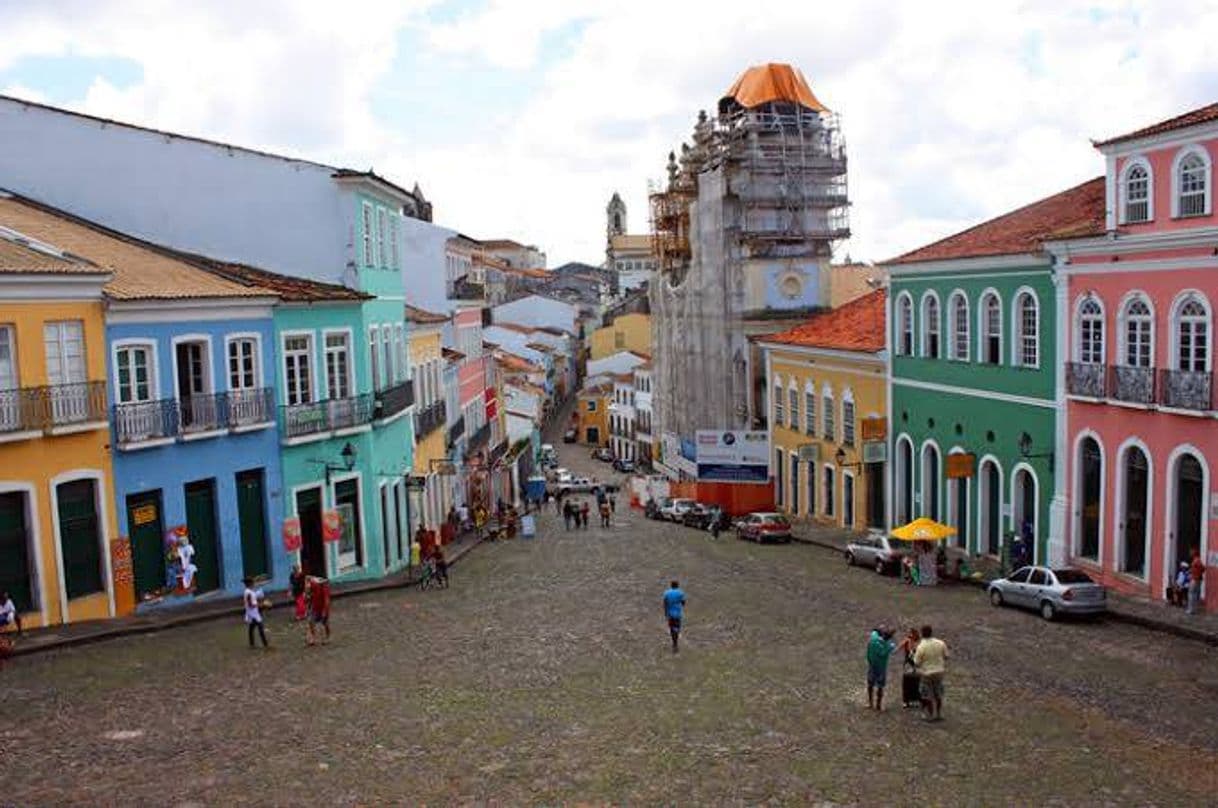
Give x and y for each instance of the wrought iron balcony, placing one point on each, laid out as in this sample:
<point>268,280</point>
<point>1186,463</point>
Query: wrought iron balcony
<point>1085,379</point>
<point>19,411</point>
<point>71,404</point>
<point>145,420</point>
<point>1186,389</point>
<point>429,419</point>
<point>322,416</point>
<point>1133,384</point>
<point>349,412</point>
<point>393,400</point>
<point>201,413</point>
<point>456,431</point>
<point>249,407</point>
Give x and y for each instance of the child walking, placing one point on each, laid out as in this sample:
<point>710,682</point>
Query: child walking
<point>254,600</point>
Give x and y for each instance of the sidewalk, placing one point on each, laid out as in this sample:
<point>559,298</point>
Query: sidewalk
<point>1135,611</point>
<point>54,637</point>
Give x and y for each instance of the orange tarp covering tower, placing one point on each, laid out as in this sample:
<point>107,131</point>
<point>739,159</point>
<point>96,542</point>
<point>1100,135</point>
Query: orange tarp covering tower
<point>761,84</point>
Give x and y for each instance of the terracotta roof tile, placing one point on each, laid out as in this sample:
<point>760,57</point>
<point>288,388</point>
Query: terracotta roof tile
<point>516,363</point>
<point>289,289</point>
<point>19,255</point>
<point>424,317</point>
<point>1078,211</point>
<point>1204,114</point>
<point>451,354</point>
<point>856,326</point>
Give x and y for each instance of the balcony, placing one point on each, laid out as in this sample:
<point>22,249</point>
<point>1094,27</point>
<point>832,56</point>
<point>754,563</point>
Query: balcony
<point>201,413</point>
<point>320,417</point>
<point>163,421</point>
<point>456,431</point>
<point>1085,379</point>
<point>145,421</point>
<point>54,409</point>
<point>430,419</point>
<point>1186,389</point>
<point>392,400</point>
<point>1134,385</point>
<point>249,408</point>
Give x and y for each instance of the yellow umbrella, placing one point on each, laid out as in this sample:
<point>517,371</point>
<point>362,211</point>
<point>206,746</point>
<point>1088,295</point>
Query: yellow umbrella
<point>924,529</point>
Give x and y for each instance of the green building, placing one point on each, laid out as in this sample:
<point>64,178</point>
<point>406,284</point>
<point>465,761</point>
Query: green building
<point>973,381</point>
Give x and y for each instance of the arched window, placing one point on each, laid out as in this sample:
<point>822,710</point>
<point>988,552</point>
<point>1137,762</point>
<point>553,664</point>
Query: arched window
<point>959,326</point>
<point>848,418</point>
<point>991,329</point>
<point>1089,498</point>
<point>930,481</point>
<point>810,409</point>
<point>1137,331</point>
<point>779,413</point>
<point>1090,332</point>
<point>1027,321</point>
<point>904,325</point>
<point>793,401</point>
<point>1136,204</point>
<point>930,325</point>
<point>904,480</point>
<point>829,431</point>
<point>1192,334</point>
<point>1190,182</point>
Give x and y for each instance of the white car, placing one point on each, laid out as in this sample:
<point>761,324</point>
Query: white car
<point>674,510</point>
<point>560,476</point>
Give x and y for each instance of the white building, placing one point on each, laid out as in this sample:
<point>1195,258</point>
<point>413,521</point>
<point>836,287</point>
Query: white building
<point>621,417</point>
<point>620,362</point>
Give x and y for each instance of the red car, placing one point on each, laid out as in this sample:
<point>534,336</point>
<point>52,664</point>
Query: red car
<point>763,527</point>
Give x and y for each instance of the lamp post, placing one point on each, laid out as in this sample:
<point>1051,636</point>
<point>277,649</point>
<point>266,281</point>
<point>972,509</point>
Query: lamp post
<point>840,459</point>
<point>348,457</point>
<point>1025,451</point>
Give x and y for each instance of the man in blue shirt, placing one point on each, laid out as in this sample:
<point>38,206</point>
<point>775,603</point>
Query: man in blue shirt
<point>674,608</point>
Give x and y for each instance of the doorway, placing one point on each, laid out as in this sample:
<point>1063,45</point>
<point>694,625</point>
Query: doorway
<point>930,482</point>
<point>1136,470</point>
<point>904,482</point>
<point>1189,485</point>
<point>312,548</point>
<point>991,507</point>
<point>848,500</point>
<point>15,574</point>
<point>146,526</point>
<point>1023,504</point>
<point>1091,476</point>
<point>192,385</point>
<point>201,524</point>
<point>251,515</point>
<point>80,537</point>
<point>875,494</point>
<point>794,485</point>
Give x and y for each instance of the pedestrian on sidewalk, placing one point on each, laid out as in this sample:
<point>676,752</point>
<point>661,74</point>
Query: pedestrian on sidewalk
<point>319,609</point>
<point>911,686</point>
<point>1196,574</point>
<point>605,522</point>
<point>9,616</point>
<point>879,647</point>
<point>296,582</point>
<point>583,514</point>
<point>674,611</point>
<point>612,504</point>
<point>931,661</point>
<point>567,515</point>
<point>441,567</point>
<point>1177,594</point>
<point>254,600</point>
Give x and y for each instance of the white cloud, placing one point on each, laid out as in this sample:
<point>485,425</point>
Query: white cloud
<point>952,111</point>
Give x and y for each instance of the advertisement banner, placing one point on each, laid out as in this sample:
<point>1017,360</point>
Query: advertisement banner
<point>291,534</point>
<point>733,455</point>
<point>331,525</point>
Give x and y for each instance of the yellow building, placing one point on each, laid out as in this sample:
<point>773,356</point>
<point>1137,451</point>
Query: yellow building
<point>629,332</point>
<point>592,411</point>
<point>427,369</point>
<point>828,415</point>
<point>57,521</point>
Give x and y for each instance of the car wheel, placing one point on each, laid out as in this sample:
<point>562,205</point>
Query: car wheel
<point>849,559</point>
<point>995,597</point>
<point>879,566</point>
<point>1047,610</point>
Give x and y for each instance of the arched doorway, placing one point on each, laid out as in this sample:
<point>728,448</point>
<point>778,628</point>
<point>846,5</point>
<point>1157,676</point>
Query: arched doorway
<point>958,509</point>
<point>989,501</point>
<point>1023,507</point>
<point>904,481</point>
<point>1188,501</point>
<point>1135,490</point>
<point>1090,487</point>
<point>930,481</point>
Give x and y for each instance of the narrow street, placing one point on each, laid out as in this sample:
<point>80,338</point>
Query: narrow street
<point>544,675</point>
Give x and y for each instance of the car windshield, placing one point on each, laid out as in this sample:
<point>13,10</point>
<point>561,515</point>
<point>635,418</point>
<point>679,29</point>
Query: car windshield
<point>775,520</point>
<point>1072,577</point>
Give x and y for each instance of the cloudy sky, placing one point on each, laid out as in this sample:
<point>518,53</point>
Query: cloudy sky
<point>519,118</point>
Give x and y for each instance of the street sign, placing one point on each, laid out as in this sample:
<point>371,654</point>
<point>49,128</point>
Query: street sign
<point>875,451</point>
<point>874,428</point>
<point>733,455</point>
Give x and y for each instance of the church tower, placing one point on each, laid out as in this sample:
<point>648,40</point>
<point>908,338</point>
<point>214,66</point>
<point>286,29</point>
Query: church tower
<point>615,219</point>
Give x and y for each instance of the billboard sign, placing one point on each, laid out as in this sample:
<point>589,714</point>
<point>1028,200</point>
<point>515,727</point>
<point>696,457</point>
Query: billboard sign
<point>733,455</point>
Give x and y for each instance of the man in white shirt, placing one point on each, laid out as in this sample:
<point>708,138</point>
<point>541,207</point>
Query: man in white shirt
<point>253,599</point>
<point>930,659</point>
<point>9,616</point>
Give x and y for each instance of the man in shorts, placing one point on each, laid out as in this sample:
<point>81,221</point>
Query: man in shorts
<point>879,647</point>
<point>931,661</point>
<point>674,610</point>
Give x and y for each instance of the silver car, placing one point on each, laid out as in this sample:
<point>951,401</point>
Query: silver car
<point>1051,592</point>
<point>877,551</point>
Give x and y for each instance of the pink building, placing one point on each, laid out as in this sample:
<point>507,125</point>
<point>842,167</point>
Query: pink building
<point>1136,328</point>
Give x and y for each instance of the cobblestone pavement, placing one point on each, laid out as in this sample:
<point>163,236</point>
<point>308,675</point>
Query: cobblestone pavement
<point>544,676</point>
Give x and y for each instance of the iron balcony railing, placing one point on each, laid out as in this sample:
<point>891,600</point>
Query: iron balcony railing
<point>201,413</point>
<point>1186,389</point>
<point>1085,379</point>
<point>393,400</point>
<point>456,431</point>
<point>322,416</point>
<point>139,421</point>
<point>249,407</point>
<point>1135,385</point>
<point>429,419</point>
<point>42,408</point>
<point>19,411</point>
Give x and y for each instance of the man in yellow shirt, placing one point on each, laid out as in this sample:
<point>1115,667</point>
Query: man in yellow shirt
<point>930,659</point>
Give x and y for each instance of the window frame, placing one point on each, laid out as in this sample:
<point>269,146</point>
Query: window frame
<point>153,379</point>
<point>905,326</point>
<point>368,225</point>
<point>848,424</point>
<point>1184,298</point>
<point>1136,162</point>
<point>310,366</point>
<point>828,415</point>
<point>1125,320</point>
<point>348,341</point>
<point>810,408</point>
<point>793,419</point>
<point>958,301</point>
<point>931,325</point>
<point>1019,336</point>
<point>231,340</point>
<point>1080,321</point>
<point>10,329</point>
<point>1202,154</point>
<point>984,330</point>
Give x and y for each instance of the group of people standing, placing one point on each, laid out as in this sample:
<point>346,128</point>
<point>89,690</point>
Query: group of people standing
<point>1186,588</point>
<point>576,514</point>
<point>925,664</point>
<point>310,598</point>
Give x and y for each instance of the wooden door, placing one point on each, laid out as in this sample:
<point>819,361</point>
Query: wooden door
<point>312,548</point>
<point>147,529</point>
<point>201,522</point>
<point>251,515</point>
<point>15,575</point>
<point>80,538</point>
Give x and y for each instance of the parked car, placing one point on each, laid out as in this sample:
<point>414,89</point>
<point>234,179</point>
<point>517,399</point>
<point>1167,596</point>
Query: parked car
<point>1051,592</point>
<point>652,509</point>
<point>577,485</point>
<point>877,551</point>
<point>602,453</point>
<point>697,515</point>
<point>763,527</point>
<point>675,510</point>
<point>560,475</point>
<point>570,436</point>
<point>623,465</point>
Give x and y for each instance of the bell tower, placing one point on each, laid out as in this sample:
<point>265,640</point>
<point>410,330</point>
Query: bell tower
<point>615,217</point>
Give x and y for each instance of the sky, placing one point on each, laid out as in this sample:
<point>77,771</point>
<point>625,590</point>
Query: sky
<point>520,118</point>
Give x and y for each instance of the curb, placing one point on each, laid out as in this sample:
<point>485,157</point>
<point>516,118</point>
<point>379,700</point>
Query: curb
<point>217,613</point>
<point>1149,623</point>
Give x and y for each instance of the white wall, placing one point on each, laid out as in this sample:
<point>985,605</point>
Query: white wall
<point>538,311</point>
<point>616,363</point>
<point>423,264</point>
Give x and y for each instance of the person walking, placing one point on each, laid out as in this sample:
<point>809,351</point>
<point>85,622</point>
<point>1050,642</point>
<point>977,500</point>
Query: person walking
<point>930,659</point>
<point>319,609</point>
<point>254,600</point>
<point>879,647</point>
<point>1196,574</point>
<point>583,514</point>
<point>605,514</point>
<point>674,611</point>
<point>612,504</point>
<point>296,583</point>
<point>911,686</point>
<point>441,567</point>
<point>567,515</point>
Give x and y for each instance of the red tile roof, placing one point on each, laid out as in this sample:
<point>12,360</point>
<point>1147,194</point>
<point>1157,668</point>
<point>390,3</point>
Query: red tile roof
<point>424,317</point>
<point>289,289</point>
<point>515,363</point>
<point>1078,211</point>
<point>1200,115</point>
<point>856,326</point>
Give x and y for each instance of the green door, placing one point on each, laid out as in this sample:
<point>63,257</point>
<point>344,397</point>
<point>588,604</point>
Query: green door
<point>201,522</point>
<point>79,539</point>
<point>15,552</point>
<point>147,529</point>
<point>252,515</point>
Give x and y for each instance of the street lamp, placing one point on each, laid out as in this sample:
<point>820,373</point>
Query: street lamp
<point>840,458</point>
<point>1025,450</point>
<point>348,458</point>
